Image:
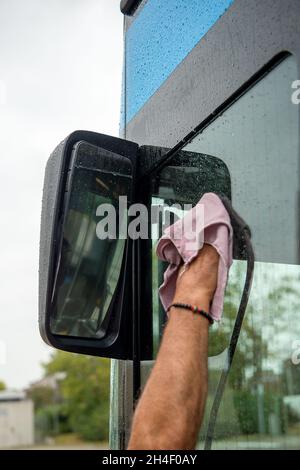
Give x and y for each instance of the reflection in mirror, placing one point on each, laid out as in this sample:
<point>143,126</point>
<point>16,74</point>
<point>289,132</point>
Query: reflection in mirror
<point>189,175</point>
<point>89,267</point>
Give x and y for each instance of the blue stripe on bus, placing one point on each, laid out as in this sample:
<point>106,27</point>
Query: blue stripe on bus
<point>161,36</point>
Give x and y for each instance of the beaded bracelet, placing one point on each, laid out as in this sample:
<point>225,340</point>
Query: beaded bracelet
<point>194,309</point>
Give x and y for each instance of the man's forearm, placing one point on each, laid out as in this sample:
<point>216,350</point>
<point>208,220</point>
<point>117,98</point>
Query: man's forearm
<point>171,408</point>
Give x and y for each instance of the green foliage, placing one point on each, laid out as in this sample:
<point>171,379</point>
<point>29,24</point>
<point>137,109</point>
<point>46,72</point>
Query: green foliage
<point>262,358</point>
<point>246,405</point>
<point>41,396</point>
<point>50,421</point>
<point>2,386</point>
<point>246,408</point>
<point>85,392</point>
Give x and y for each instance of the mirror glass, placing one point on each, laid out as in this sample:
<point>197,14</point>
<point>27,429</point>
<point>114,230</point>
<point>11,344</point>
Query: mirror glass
<point>91,252</point>
<point>182,181</point>
<point>188,175</point>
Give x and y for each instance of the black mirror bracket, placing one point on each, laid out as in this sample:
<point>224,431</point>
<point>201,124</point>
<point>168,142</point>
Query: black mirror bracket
<point>128,7</point>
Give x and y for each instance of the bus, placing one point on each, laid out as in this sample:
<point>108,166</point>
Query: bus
<point>210,102</point>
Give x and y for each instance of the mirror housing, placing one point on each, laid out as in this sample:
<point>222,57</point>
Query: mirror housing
<point>128,7</point>
<point>117,342</point>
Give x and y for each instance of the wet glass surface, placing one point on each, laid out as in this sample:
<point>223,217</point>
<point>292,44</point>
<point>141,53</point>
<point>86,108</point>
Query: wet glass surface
<point>258,140</point>
<point>89,267</point>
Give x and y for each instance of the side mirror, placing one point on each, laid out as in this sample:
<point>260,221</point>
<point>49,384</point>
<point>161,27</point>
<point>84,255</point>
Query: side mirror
<point>92,297</point>
<point>85,281</point>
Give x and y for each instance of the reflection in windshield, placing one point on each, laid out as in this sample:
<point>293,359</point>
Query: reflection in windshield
<point>257,138</point>
<point>261,404</point>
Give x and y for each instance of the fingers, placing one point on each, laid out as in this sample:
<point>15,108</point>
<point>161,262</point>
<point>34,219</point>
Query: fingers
<point>200,275</point>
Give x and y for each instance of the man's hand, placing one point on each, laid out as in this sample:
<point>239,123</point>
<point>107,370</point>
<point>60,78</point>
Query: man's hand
<point>196,284</point>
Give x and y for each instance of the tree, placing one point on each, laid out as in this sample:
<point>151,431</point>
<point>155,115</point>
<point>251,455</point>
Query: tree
<point>2,386</point>
<point>262,372</point>
<point>41,396</point>
<point>85,392</point>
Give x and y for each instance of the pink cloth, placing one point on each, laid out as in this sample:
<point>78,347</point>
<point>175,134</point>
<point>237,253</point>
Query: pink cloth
<point>183,240</point>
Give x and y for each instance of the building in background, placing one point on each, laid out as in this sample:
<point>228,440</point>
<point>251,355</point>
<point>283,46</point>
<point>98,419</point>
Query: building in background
<point>16,420</point>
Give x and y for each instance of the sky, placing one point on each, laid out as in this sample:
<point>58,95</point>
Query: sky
<point>60,70</point>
